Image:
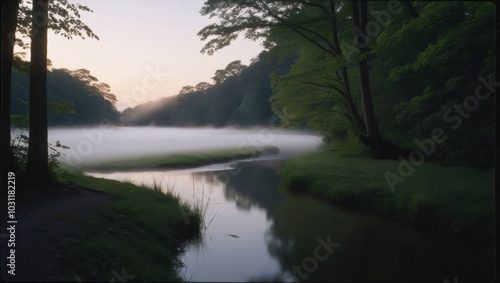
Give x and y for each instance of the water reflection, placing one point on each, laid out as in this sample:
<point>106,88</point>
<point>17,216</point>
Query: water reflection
<point>290,237</point>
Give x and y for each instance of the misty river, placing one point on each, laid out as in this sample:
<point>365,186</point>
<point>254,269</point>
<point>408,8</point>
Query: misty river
<point>257,230</point>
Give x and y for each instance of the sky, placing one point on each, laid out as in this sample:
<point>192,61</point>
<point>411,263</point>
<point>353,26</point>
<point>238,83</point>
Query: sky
<point>147,49</point>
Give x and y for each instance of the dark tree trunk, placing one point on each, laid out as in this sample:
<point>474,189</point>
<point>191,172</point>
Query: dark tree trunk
<point>366,97</point>
<point>9,22</point>
<point>382,148</point>
<point>37,167</point>
<point>353,111</point>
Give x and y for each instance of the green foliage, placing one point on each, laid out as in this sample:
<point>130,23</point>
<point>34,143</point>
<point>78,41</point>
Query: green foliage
<point>62,107</point>
<point>70,94</point>
<point>144,230</point>
<point>19,147</point>
<point>420,67</point>
<point>451,45</point>
<point>310,91</point>
<point>19,144</point>
<point>434,196</point>
<point>240,98</point>
<point>64,19</point>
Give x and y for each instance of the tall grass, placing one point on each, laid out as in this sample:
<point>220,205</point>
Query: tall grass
<point>144,231</point>
<point>456,200</point>
<point>197,205</point>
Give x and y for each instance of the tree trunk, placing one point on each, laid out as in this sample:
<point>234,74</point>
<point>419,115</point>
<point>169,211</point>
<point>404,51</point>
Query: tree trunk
<point>364,80</point>
<point>9,22</point>
<point>382,148</point>
<point>353,111</point>
<point>37,167</point>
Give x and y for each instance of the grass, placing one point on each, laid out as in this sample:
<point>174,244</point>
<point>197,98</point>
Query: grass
<point>189,159</point>
<point>456,200</point>
<point>143,232</point>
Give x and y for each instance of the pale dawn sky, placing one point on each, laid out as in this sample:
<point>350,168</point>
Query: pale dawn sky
<point>142,37</point>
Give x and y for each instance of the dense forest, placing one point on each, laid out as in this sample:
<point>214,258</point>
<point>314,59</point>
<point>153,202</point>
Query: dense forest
<point>438,83</point>
<point>66,108</point>
<point>239,97</point>
<point>391,111</point>
<point>411,92</point>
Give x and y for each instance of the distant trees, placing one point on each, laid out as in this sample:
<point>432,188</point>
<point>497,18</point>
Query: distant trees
<point>63,87</point>
<point>232,69</point>
<point>200,87</point>
<point>241,99</point>
<point>93,84</point>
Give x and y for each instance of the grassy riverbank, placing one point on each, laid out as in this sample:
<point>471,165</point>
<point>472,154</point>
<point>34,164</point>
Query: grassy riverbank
<point>139,235</point>
<point>457,200</point>
<point>181,160</point>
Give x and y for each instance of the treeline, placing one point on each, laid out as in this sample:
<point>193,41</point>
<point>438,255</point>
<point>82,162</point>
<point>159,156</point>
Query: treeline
<point>75,97</point>
<point>238,96</point>
<point>397,76</point>
<point>418,75</point>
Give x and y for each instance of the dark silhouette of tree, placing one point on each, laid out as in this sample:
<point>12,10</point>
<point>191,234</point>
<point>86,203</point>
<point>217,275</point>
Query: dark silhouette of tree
<point>202,86</point>
<point>33,23</point>
<point>37,165</point>
<point>9,22</point>
<point>93,84</point>
<point>63,19</point>
<point>232,69</point>
<point>364,80</point>
<point>187,89</point>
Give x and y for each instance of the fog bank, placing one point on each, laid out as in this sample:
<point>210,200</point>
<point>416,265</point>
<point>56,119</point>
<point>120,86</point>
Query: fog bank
<point>94,145</point>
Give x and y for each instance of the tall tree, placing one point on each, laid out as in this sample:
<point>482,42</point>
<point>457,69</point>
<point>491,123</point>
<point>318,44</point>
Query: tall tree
<point>258,18</point>
<point>64,19</point>
<point>37,166</point>
<point>359,22</point>
<point>9,22</point>
<point>351,107</point>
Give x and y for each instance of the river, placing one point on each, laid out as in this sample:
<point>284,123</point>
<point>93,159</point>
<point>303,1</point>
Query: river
<point>257,230</point>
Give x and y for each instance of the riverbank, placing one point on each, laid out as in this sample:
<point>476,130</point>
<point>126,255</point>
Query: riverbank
<point>93,229</point>
<point>455,200</point>
<point>181,160</point>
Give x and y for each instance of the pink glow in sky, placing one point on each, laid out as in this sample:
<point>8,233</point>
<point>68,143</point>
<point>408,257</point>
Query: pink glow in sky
<point>138,38</point>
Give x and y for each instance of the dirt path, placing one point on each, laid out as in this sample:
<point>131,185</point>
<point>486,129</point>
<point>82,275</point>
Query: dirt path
<point>39,228</point>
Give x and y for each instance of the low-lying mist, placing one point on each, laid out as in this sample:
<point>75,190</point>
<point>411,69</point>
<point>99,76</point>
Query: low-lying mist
<point>95,145</point>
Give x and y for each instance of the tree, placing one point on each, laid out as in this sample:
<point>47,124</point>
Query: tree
<point>232,69</point>
<point>451,52</point>
<point>37,166</point>
<point>258,19</point>
<point>93,85</point>
<point>9,22</point>
<point>64,20</point>
<point>203,86</point>
<point>187,89</point>
<point>364,80</point>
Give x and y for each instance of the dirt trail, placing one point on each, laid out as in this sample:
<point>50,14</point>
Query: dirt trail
<point>39,229</point>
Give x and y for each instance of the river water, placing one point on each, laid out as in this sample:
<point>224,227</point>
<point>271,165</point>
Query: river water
<point>257,230</point>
